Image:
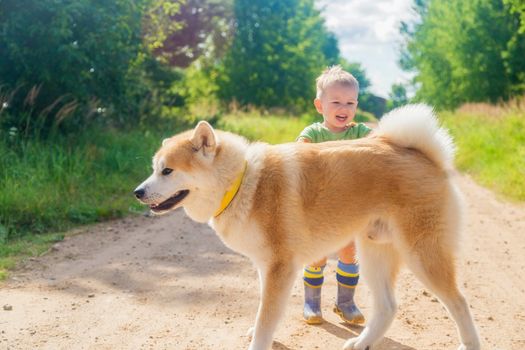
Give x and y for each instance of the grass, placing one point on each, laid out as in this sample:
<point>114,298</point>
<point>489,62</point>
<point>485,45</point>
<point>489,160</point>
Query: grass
<point>274,128</point>
<point>33,245</point>
<point>256,127</point>
<point>54,185</point>
<point>490,144</point>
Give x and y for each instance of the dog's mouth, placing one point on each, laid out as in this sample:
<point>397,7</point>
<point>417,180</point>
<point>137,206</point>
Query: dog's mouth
<point>170,202</point>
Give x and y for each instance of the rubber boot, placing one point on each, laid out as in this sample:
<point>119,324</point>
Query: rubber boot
<point>312,305</point>
<point>345,306</point>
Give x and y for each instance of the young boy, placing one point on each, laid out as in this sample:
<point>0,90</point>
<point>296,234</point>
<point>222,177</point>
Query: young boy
<point>336,100</point>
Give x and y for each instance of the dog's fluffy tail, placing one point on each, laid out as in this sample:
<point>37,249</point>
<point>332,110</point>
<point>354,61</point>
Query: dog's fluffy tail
<point>416,126</point>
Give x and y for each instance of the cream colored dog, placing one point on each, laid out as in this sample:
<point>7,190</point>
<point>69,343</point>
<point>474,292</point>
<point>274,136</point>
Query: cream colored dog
<point>287,205</point>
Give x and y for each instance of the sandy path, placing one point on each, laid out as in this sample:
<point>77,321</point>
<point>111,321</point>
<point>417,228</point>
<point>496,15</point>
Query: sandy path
<point>168,283</point>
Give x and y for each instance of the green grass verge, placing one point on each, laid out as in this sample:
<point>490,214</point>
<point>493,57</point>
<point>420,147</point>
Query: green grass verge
<point>30,245</point>
<point>491,149</point>
<point>51,186</point>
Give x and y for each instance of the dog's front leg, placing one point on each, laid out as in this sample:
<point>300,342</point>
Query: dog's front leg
<point>276,282</point>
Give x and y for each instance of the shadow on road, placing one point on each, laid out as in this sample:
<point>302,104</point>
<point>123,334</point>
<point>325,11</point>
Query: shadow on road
<point>344,331</point>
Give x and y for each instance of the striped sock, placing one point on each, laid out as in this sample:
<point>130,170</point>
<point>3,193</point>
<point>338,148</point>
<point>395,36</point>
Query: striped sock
<point>347,274</point>
<point>313,276</point>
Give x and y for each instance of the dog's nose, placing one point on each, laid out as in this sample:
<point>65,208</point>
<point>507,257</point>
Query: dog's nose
<point>139,193</point>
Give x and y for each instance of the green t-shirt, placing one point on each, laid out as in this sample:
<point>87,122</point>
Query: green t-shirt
<point>317,132</point>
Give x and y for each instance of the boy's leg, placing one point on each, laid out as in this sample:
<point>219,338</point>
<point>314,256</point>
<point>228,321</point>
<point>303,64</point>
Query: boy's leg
<point>347,278</point>
<point>313,277</point>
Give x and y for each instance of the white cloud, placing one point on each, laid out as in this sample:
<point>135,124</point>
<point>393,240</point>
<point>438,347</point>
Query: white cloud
<point>368,32</point>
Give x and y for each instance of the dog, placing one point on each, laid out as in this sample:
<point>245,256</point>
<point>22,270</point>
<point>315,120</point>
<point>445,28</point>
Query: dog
<point>287,205</point>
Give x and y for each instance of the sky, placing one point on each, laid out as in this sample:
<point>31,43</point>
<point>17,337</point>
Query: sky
<point>368,33</point>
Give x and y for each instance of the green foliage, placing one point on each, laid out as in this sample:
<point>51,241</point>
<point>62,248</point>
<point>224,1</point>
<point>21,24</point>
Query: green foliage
<point>75,53</point>
<point>199,89</point>
<point>279,49</point>
<point>54,184</point>
<point>491,147</point>
<point>179,32</point>
<point>159,24</point>
<point>373,104</point>
<point>465,51</point>
<point>397,97</point>
<point>518,7</point>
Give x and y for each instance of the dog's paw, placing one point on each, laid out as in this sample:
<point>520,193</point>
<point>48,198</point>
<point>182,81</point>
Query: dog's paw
<point>356,344</point>
<point>250,332</point>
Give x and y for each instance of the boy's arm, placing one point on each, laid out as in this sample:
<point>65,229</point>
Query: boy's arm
<point>364,130</point>
<point>304,139</point>
<point>306,136</point>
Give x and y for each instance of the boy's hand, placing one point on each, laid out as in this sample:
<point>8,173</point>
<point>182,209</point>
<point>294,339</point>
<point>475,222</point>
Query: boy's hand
<point>304,139</point>
<point>350,125</point>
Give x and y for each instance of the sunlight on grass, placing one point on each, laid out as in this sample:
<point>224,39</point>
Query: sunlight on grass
<point>268,128</point>
<point>274,128</point>
<point>491,147</point>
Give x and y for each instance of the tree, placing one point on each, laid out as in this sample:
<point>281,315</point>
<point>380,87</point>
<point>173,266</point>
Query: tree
<point>279,48</point>
<point>518,7</point>
<point>179,32</point>
<point>397,96</point>
<point>465,51</point>
<point>514,62</point>
<point>67,57</point>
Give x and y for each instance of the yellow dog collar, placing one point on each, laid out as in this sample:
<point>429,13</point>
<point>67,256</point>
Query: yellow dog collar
<point>231,192</point>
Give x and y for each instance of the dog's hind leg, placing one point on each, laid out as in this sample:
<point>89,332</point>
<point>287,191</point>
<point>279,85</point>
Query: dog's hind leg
<point>379,264</point>
<point>434,266</point>
<point>276,284</point>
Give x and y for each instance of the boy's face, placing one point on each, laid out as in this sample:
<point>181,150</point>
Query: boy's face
<point>338,105</point>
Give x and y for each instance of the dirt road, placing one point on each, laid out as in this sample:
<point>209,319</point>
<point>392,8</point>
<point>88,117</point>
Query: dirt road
<point>168,283</point>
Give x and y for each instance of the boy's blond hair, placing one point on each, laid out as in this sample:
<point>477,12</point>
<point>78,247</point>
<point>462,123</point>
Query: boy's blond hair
<point>335,75</point>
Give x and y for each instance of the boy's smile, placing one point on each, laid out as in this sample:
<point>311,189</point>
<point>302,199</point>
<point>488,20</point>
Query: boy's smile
<point>342,118</point>
<point>338,105</point>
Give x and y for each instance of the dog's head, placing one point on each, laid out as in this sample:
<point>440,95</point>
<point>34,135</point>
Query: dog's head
<point>186,173</point>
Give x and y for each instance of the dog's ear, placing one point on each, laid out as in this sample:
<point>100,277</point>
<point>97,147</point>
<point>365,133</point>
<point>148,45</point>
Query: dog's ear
<point>204,139</point>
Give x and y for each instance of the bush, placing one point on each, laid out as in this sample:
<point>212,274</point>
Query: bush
<point>66,60</point>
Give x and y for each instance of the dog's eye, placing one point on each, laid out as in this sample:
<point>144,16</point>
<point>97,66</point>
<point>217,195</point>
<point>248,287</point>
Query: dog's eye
<point>166,171</point>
